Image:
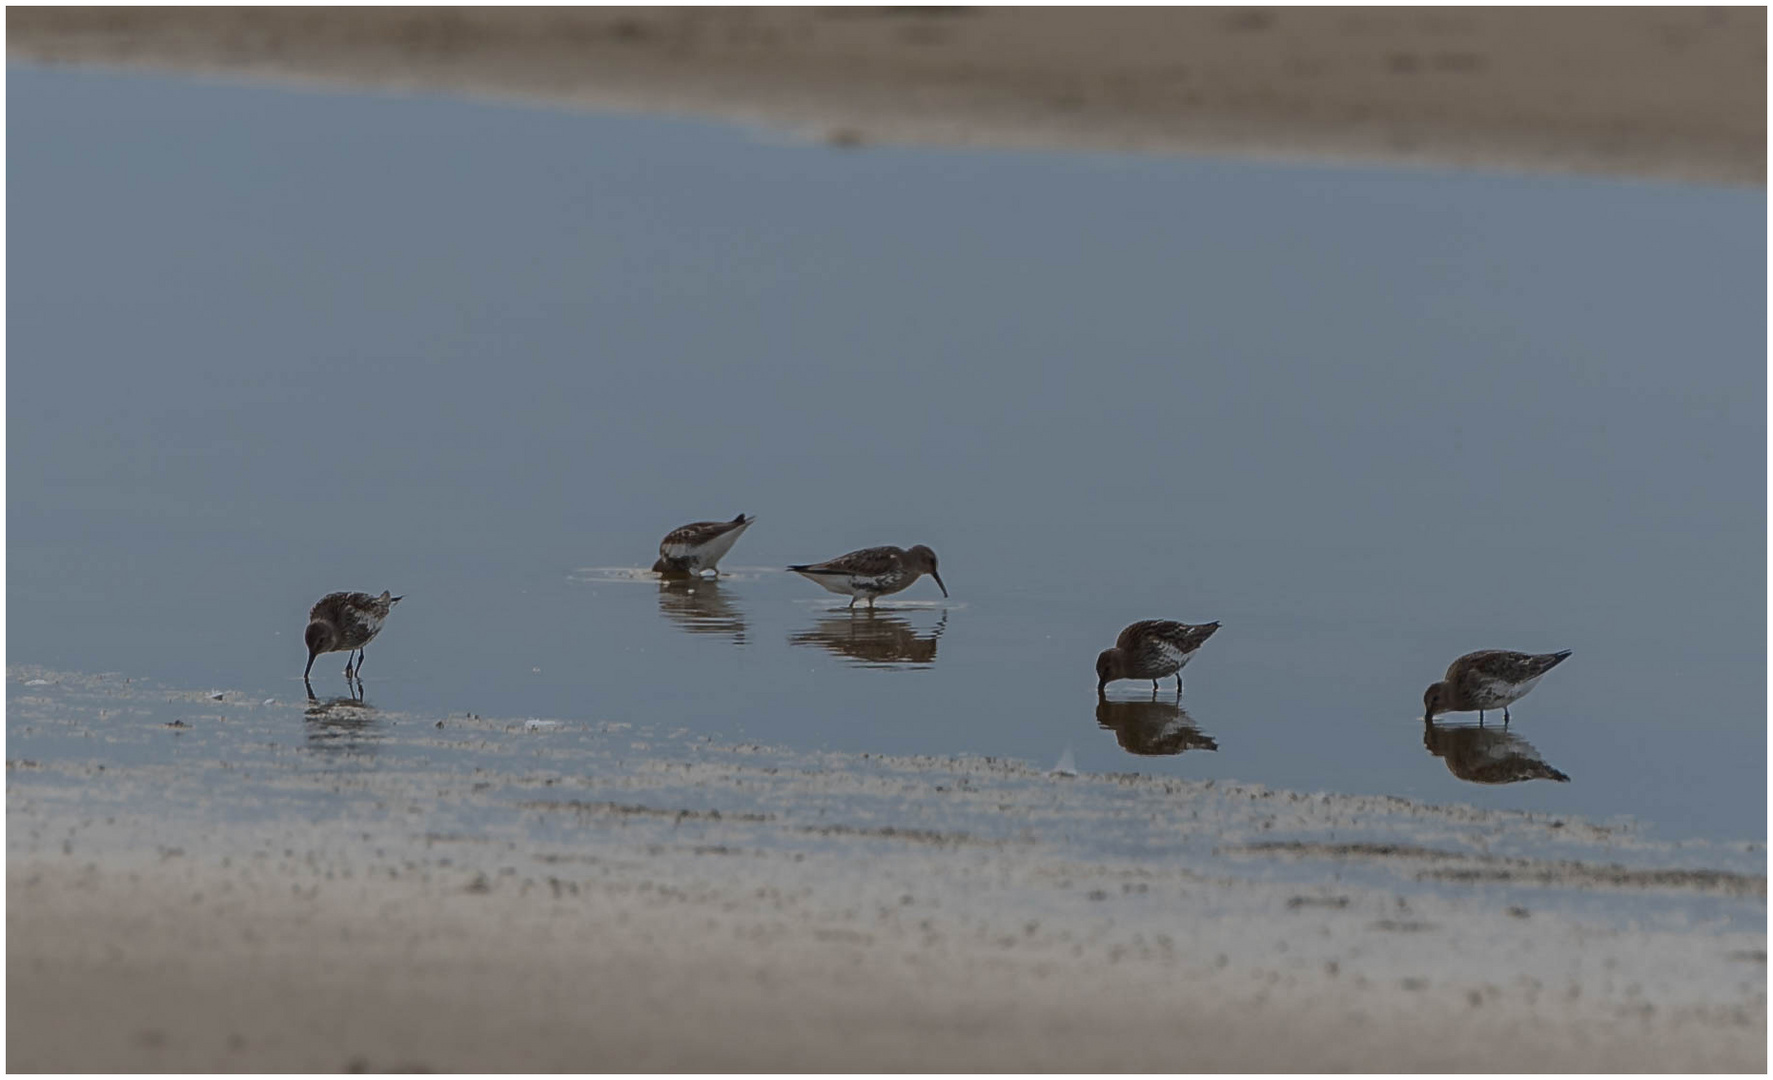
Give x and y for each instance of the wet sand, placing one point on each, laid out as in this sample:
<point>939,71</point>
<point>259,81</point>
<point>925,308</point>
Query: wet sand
<point>706,965</point>
<point>216,882</point>
<point>1675,93</point>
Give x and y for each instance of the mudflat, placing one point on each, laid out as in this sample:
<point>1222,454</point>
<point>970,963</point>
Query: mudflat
<point>235,884</point>
<point>1677,93</point>
<point>198,967</point>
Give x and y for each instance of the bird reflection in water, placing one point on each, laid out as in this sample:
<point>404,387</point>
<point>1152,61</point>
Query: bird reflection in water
<point>344,725</point>
<point>1486,755</point>
<point>698,606</point>
<point>1152,728</point>
<point>873,638</point>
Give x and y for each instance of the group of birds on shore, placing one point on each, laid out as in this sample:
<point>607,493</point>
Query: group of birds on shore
<point>1152,649</point>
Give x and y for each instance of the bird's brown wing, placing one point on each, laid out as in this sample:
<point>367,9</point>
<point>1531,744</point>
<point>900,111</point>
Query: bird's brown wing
<point>333,607</point>
<point>1130,637</point>
<point>1183,636</point>
<point>868,562</point>
<point>1504,665</point>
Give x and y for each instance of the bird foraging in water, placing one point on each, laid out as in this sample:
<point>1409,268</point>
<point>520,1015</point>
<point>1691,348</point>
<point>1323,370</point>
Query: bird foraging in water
<point>1151,650</point>
<point>872,572</point>
<point>687,551</point>
<point>343,622</point>
<point>1487,679</point>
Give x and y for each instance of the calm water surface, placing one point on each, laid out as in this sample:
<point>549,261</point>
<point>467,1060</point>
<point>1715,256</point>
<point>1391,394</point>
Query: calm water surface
<point>265,344</point>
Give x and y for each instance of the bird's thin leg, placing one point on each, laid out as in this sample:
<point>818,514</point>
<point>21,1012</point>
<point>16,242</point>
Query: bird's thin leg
<point>1154,686</point>
<point>870,601</point>
<point>1480,718</point>
<point>853,599</point>
<point>360,662</point>
<point>1504,716</point>
<point>1178,684</point>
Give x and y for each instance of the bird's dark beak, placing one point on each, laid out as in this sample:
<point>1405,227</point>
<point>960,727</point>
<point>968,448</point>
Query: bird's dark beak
<point>311,655</point>
<point>939,584</point>
<point>395,600</point>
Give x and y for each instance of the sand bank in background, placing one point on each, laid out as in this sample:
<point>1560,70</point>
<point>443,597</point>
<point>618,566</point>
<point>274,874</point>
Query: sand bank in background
<point>1677,93</point>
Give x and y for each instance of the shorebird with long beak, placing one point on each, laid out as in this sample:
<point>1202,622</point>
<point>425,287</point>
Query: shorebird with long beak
<point>1151,650</point>
<point>1488,679</point>
<point>345,622</point>
<point>687,551</point>
<point>872,572</point>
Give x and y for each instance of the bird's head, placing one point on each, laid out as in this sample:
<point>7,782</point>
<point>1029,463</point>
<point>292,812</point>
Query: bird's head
<point>320,637</point>
<point>923,560</point>
<point>1107,668</point>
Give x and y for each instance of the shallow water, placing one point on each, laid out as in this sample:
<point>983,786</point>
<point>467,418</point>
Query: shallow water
<point>264,344</point>
<point>103,767</point>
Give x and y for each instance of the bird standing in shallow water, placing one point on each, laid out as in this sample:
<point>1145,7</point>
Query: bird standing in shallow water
<point>1488,679</point>
<point>691,549</point>
<point>343,622</point>
<point>872,572</point>
<point>1151,650</point>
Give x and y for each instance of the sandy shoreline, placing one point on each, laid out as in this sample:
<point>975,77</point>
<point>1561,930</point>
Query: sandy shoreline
<point>292,968</point>
<point>215,881</point>
<point>1656,92</point>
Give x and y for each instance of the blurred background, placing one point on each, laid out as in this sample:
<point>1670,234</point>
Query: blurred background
<point>1670,92</point>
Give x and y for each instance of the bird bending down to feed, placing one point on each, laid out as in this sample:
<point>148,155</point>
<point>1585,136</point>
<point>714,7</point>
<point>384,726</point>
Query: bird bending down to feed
<point>872,572</point>
<point>1489,679</point>
<point>687,551</point>
<point>343,622</point>
<point>1151,650</point>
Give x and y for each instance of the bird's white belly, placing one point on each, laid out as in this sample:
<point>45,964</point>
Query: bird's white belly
<point>842,584</point>
<point>711,552</point>
<point>1502,692</point>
